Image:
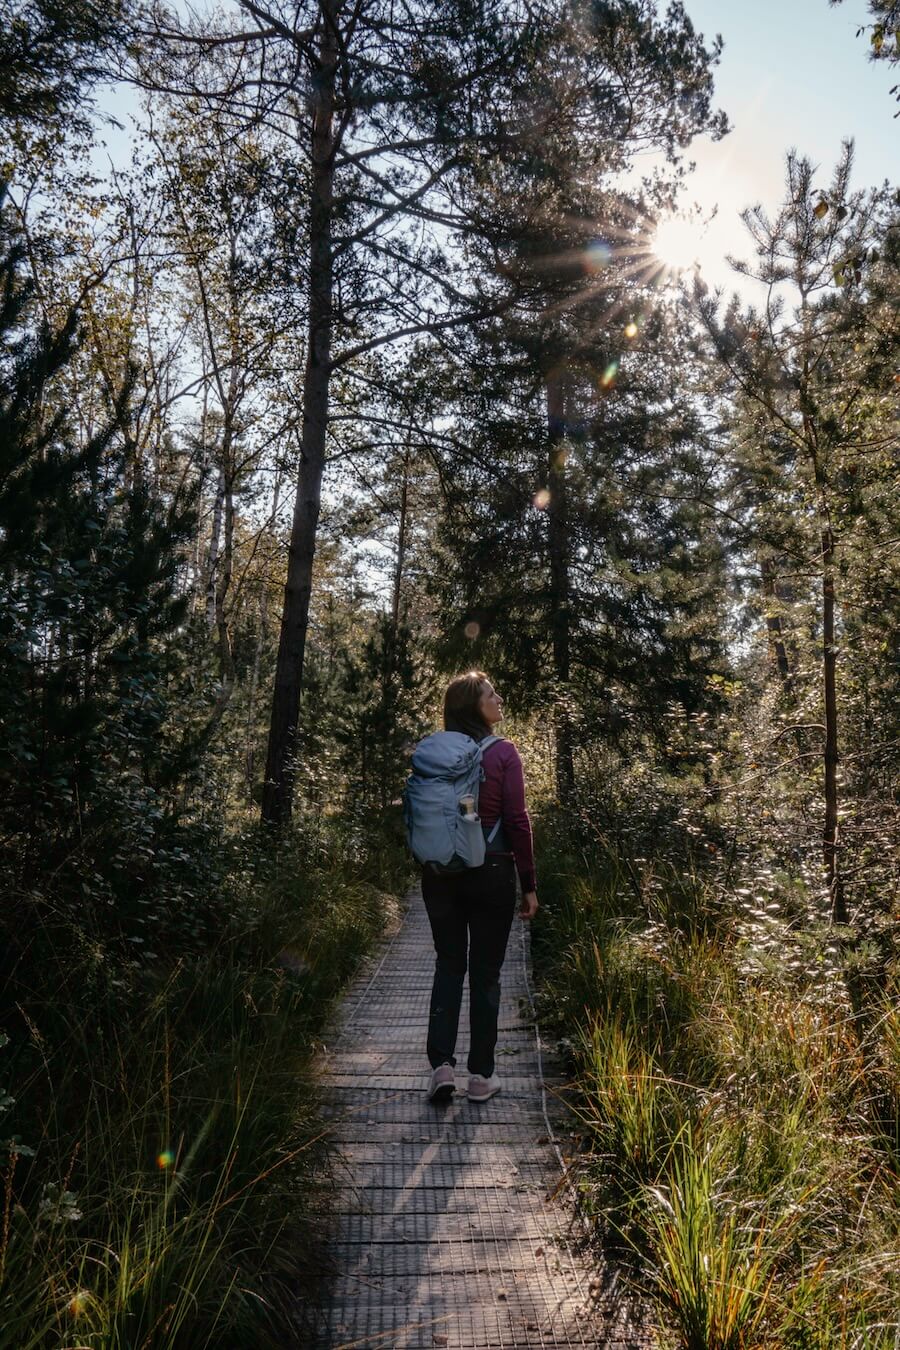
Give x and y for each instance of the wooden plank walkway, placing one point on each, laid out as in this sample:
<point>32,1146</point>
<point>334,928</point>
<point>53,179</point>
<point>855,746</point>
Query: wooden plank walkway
<point>443,1226</point>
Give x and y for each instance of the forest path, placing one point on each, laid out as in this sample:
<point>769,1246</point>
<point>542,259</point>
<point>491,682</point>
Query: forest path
<point>443,1229</point>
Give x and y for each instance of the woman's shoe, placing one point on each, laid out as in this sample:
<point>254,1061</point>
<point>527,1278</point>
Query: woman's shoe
<point>481,1088</point>
<point>442,1084</point>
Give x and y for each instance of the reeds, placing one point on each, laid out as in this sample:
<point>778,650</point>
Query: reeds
<point>157,1195</point>
<point>739,1128</point>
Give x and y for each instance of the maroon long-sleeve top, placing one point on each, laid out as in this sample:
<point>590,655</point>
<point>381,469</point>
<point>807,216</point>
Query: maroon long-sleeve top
<point>502,796</point>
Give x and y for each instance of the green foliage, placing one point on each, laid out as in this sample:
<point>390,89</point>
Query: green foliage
<point>812,495</point>
<point>578,555</point>
<point>566,491</point>
<point>641,587</point>
<point>175,1127</point>
<point>164,983</point>
<point>49,51</point>
<point>884,33</point>
<point>382,716</point>
<point>715,1269</point>
<point>90,559</point>
<point>737,1131</point>
<point>633,1112</point>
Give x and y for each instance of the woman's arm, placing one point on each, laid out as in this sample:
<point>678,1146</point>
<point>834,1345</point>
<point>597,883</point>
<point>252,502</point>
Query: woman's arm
<point>517,823</point>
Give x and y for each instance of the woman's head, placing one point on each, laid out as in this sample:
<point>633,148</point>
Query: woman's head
<point>472,705</point>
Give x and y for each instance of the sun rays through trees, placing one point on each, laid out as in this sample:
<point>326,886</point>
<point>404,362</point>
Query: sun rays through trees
<point>375,347</point>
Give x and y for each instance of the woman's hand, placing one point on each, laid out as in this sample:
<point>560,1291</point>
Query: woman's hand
<point>529,905</point>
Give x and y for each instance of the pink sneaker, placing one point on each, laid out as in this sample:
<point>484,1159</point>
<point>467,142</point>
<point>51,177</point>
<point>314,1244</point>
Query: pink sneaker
<point>442,1084</point>
<point>481,1088</point>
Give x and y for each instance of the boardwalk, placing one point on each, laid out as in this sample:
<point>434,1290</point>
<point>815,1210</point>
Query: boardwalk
<point>443,1229</point>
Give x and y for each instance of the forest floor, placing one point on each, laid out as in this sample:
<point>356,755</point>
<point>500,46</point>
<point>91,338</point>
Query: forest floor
<point>449,1225</point>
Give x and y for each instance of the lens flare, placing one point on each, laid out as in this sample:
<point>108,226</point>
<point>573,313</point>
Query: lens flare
<point>78,1303</point>
<point>472,630</point>
<point>631,329</point>
<point>597,255</point>
<point>608,378</point>
<point>165,1159</point>
<point>542,499</point>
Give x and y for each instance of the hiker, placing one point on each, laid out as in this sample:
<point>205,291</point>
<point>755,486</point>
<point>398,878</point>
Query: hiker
<point>471,909</point>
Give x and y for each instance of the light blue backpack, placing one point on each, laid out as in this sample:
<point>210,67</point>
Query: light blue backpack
<point>446,769</point>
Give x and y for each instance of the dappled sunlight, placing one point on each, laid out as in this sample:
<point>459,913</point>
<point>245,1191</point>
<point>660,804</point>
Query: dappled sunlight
<point>386,342</point>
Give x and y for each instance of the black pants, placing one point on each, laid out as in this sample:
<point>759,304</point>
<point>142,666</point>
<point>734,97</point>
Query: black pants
<point>471,914</point>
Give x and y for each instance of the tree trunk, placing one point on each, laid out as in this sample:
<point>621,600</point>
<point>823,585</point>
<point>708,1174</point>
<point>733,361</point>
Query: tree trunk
<point>401,542</point>
<point>261,640</point>
<point>280,769</point>
<point>777,649</point>
<point>250,737</point>
<point>212,556</point>
<point>199,561</point>
<point>558,528</point>
<point>230,433</point>
<point>223,584</point>
<point>829,666</point>
<point>829,680</point>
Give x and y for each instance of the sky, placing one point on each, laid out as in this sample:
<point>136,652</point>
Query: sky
<point>793,73</point>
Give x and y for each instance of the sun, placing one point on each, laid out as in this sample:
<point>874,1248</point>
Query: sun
<point>677,243</point>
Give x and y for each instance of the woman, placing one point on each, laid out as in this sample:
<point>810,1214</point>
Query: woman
<point>471,911</point>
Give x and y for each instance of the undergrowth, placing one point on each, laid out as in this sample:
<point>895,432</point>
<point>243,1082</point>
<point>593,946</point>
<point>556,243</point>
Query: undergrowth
<point>160,1121</point>
<point>739,1140</point>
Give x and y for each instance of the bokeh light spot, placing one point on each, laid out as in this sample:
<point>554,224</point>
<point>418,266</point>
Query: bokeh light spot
<point>542,499</point>
<point>78,1303</point>
<point>631,329</point>
<point>472,629</point>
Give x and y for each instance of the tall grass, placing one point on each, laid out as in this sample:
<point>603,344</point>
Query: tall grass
<point>163,1131</point>
<point>740,1133</point>
<point>714,1265</point>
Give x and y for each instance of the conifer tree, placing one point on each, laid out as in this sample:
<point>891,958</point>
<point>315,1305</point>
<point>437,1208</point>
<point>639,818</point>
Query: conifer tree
<point>383,694</point>
<point>400,114</point>
<point>883,32</point>
<point>89,592</point>
<point>50,51</point>
<point>813,369</point>
<point>571,400</point>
